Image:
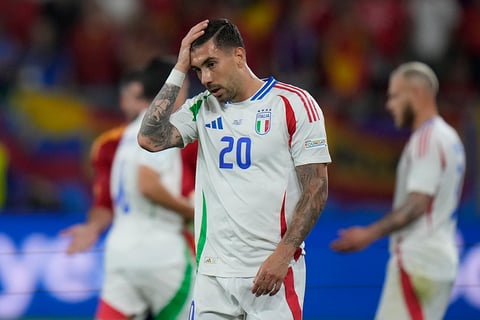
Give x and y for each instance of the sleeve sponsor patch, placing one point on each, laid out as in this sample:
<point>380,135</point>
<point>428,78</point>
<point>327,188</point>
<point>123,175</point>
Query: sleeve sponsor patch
<point>315,143</point>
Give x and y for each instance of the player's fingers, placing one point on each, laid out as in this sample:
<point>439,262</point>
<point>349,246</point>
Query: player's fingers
<point>77,247</point>
<point>267,288</point>
<point>72,248</point>
<point>344,247</point>
<point>259,286</point>
<point>275,289</point>
<point>197,30</point>
<point>256,286</point>
<point>334,244</point>
<point>200,26</point>
<point>338,245</point>
<point>261,291</point>
<point>67,231</point>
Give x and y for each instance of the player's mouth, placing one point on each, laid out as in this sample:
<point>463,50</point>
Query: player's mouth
<point>216,91</point>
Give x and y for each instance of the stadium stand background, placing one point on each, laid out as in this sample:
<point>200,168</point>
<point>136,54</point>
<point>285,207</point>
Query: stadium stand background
<point>60,63</point>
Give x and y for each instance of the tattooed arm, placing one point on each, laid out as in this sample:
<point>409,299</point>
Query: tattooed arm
<point>358,238</point>
<point>314,181</point>
<point>156,132</point>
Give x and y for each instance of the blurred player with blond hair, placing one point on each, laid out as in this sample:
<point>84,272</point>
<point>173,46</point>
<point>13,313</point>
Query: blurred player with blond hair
<point>422,224</point>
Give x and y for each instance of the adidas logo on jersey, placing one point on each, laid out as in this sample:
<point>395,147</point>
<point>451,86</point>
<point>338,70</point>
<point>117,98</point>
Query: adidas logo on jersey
<point>215,124</point>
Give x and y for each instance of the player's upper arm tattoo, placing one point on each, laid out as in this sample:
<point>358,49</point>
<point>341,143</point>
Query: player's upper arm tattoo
<point>313,179</point>
<point>156,132</point>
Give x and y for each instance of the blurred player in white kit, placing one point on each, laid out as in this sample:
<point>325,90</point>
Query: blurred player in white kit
<point>422,224</point>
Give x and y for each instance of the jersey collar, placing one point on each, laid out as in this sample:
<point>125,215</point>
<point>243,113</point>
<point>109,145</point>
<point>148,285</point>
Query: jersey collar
<point>269,83</point>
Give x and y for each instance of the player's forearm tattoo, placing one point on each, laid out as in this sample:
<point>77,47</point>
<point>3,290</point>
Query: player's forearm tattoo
<point>413,208</point>
<point>156,124</point>
<point>311,203</point>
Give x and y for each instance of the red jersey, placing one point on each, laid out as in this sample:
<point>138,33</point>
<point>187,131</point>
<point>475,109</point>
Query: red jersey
<point>189,162</point>
<point>101,158</point>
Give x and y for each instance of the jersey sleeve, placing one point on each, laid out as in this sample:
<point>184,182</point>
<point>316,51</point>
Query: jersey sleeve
<point>426,163</point>
<point>306,125</point>
<point>101,158</point>
<point>185,118</point>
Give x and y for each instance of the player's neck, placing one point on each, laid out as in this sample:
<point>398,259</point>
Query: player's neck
<point>251,85</point>
<point>424,117</point>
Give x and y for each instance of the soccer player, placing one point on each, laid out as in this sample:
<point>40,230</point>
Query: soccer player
<point>148,263</point>
<point>261,179</point>
<point>100,215</point>
<point>422,224</point>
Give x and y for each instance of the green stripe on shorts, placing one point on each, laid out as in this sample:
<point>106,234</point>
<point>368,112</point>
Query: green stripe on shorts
<point>175,306</point>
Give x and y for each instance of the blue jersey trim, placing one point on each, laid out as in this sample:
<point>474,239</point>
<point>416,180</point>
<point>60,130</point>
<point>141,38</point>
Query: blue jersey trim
<point>270,82</point>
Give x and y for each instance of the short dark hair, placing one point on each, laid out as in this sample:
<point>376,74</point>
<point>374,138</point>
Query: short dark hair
<point>154,76</point>
<point>225,34</point>
<point>151,77</point>
<point>131,76</point>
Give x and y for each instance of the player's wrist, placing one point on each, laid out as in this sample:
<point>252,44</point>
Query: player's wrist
<point>375,231</point>
<point>176,77</point>
<point>94,228</point>
<point>286,251</point>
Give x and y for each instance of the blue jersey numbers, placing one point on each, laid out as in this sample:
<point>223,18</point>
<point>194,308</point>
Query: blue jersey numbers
<point>121,200</point>
<point>241,149</point>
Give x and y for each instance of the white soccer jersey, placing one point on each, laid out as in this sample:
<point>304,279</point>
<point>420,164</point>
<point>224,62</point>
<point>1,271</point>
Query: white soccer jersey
<point>246,184</point>
<point>142,231</point>
<point>432,162</point>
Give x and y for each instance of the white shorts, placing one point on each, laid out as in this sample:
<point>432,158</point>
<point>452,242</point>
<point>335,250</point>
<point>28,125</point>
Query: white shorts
<point>218,298</point>
<point>409,296</point>
<point>166,292</point>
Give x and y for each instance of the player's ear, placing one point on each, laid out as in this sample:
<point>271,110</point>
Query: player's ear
<point>240,56</point>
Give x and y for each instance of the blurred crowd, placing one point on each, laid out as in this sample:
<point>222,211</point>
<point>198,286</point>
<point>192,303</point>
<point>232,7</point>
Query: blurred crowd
<point>341,51</point>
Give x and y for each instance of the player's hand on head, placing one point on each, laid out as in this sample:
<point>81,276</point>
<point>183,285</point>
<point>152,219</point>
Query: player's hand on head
<point>183,60</point>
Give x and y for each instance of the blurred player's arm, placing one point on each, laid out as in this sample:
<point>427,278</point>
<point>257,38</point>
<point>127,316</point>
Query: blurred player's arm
<point>151,186</point>
<point>99,217</point>
<point>357,238</point>
<point>86,234</point>
<point>100,214</point>
<point>314,181</point>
